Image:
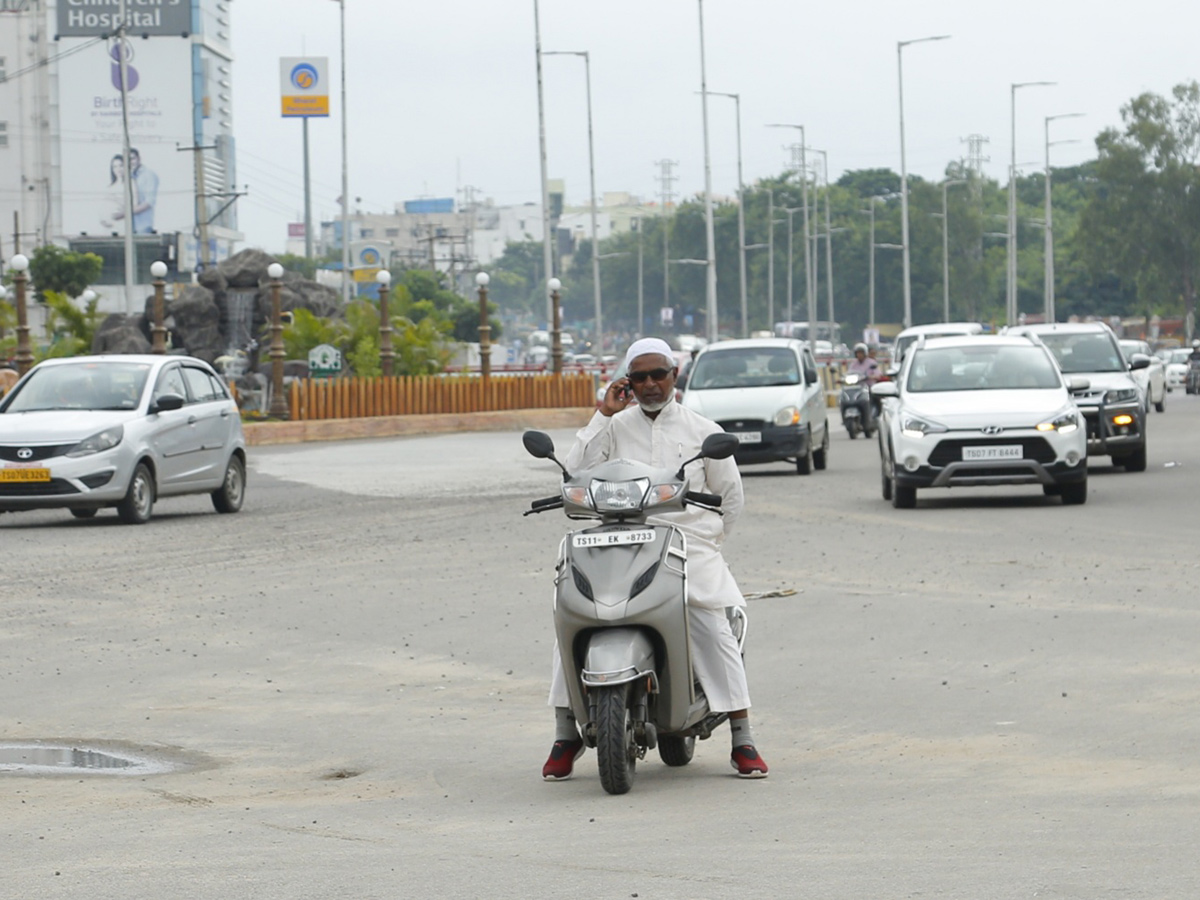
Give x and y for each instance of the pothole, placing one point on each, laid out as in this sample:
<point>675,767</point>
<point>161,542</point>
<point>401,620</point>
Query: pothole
<point>52,757</point>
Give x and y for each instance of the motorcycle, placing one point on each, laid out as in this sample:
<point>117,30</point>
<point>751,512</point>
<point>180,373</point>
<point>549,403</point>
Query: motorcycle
<point>621,611</point>
<point>1191,383</point>
<point>855,404</point>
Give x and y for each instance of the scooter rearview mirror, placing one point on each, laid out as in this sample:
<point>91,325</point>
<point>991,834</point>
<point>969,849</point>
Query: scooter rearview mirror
<point>715,446</point>
<point>538,444</point>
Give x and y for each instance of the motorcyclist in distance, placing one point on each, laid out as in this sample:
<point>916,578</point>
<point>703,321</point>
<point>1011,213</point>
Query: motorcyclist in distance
<point>864,365</point>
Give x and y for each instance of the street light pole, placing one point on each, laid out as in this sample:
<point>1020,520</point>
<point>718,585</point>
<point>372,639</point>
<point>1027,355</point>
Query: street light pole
<point>791,261</point>
<point>386,354</point>
<point>828,248</point>
<point>1011,311</point>
<point>345,172</point>
<point>556,351</point>
<point>485,328</point>
<point>709,230</point>
<point>946,248</point>
<point>158,269</point>
<point>547,237</point>
<point>279,405</point>
<point>20,265</point>
<point>900,45</point>
<point>587,68</point>
<point>771,258</point>
<point>1048,282</point>
<point>737,100</point>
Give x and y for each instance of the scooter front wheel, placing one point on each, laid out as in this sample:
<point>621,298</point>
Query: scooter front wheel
<point>616,750</point>
<point>676,750</point>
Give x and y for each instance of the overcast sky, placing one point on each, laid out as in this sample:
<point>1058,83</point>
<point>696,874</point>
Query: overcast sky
<point>443,94</point>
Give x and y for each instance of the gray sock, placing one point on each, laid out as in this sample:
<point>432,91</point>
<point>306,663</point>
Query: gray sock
<point>565,728</point>
<point>740,730</point>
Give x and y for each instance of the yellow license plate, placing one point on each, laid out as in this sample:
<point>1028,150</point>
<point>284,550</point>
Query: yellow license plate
<point>24,474</point>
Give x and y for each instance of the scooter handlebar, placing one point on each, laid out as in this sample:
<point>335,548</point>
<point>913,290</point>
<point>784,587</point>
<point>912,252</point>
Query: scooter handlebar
<point>546,503</point>
<point>702,499</point>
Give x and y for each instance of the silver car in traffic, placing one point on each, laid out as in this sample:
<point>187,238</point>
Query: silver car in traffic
<point>91,432</point>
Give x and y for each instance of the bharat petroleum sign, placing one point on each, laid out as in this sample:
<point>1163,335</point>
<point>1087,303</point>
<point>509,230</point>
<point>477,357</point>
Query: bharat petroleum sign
<point>303,85</point>
<point>97,18</point>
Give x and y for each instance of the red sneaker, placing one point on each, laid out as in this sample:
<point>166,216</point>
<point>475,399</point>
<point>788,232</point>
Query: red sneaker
<point>748,763</point>
<point>562,760</point>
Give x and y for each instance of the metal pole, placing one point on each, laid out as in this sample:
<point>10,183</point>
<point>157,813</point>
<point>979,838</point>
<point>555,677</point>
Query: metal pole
<point>387,355</point>
<point>279,404</point>
<point>1048,284</point>
<point>547,237</point>
<point>828,250</point>
<point>641,326</point>
<point>308,232</point>
<point>737,100</point>
<point>790,266</point>
<point>24,355</point>
<point>158,332</point>
<point>771,258</point>
<point>587,66</point>
<point>123,65</point>
<point>485,329</point>
<point>945,254</point>
<point>709,231</point>
<point>871,301</point>
<point>345,171</point>
<point>1012,311</point>
<point>810,274</point>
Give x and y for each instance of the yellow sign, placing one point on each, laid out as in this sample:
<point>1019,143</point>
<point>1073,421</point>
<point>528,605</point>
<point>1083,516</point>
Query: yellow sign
<point>304,86</point>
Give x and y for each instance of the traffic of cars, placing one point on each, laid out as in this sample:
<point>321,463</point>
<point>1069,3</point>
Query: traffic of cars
<point>93,432</point>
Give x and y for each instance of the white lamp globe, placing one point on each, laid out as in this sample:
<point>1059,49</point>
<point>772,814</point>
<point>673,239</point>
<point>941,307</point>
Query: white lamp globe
<point>482,279</point>
<point>274,271</point>
<point>158,269</point>
<point>384,277</point>
<point>19,263</point>
<point>554,284</point>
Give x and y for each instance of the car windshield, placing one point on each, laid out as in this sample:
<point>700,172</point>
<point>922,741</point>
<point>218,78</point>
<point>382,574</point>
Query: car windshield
<point>744,367</point>
<point>1088,352</point>
<point>81,386</point>
<point>1179,356</point>
<point>981,368</point>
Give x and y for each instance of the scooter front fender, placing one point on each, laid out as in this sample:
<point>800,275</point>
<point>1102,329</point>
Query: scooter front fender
<point>617,656</point>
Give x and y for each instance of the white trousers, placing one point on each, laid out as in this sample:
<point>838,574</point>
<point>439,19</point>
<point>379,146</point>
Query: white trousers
<point>715,659</point>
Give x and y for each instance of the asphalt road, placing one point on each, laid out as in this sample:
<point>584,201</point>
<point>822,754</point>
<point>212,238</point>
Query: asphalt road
<point>990,696</point>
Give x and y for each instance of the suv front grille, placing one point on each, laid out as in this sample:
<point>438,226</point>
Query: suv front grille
<point>950,450</point>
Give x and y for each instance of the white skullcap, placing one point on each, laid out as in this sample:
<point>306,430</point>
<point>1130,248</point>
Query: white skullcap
<point>649,345</point>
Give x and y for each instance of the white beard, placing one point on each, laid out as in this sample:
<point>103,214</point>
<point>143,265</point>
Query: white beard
<point>655,407</point>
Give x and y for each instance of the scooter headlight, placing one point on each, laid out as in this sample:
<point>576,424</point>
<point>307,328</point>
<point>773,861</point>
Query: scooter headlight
<point>851,379</point>
<point>918,428</point>
<point>619,496</point>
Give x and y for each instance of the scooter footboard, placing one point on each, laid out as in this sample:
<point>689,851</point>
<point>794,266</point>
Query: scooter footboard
<point>617,656</point>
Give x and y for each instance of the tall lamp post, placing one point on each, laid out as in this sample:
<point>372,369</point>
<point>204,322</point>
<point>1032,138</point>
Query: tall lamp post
<point>828,251</point>
<point>737,103</point>
<point>387,354</point>
<point>556,351</point>
<point>587,68</point>
<point>946,248</point>
<point>485,328</point>
<point>900,45</point>
<point>158,269</point>
<point>547,236</point>
<point>1048,283</point>
<point>345,169</point>
<point>710,238</point>
<point>791,260</point>
<point>20,265</point>
<point>279,405</point>
<point>1011,298</point>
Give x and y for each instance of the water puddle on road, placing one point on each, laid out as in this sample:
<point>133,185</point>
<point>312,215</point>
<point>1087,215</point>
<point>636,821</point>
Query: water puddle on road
<point>83,758</point>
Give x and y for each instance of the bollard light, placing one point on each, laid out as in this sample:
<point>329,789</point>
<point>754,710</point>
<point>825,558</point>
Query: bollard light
<point>485,328</point>
<point>556,352</point>
<point>20,265</point>
<point>279,407</point>
<point>158,343</point>
<point>387,355</point>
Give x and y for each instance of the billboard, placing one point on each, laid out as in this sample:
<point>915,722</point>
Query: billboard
<point>304,85</point>
<point>94,196</point>
<point>429,205</point>
<point>99,18</point>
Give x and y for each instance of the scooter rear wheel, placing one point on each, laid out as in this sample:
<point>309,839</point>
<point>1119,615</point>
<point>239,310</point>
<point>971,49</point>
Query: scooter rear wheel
<point>676,750</point>
<point>616,750</point>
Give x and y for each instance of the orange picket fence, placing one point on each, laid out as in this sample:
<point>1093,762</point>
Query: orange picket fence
<point>350,398</point>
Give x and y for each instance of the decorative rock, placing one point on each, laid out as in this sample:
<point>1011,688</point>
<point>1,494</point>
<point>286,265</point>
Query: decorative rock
<point>120,334</point>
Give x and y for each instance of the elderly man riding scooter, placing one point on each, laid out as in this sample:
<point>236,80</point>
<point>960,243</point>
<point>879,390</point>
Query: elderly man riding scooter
<point>660,432</point>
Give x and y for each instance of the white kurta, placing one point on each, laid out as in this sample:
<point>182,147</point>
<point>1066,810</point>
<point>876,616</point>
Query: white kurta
<point>666,441</point>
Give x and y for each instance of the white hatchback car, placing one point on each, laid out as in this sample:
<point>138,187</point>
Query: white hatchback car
<point>90,432</point>
<point>766,392</point>
<point>1152,379</point>
<point>972,411</point>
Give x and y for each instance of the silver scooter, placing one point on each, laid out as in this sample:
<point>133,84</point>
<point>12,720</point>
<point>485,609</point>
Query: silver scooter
<point>620,610</point>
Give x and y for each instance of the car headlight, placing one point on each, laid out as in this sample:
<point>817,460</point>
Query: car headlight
<point>789,415</point>
<point>1064,423</point>
<point>918,428</point>
<point>1122,395</point>
<point>618,496</point>
<point>98,442</point>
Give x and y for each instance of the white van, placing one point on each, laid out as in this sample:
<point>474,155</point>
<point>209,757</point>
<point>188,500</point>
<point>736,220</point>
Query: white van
<point>768,394</point>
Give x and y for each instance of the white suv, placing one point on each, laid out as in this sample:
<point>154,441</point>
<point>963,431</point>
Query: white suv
<point>974,411</point>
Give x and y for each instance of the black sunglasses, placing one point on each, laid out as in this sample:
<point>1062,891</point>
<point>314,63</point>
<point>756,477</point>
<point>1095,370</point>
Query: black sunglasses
<point>656,374</point>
